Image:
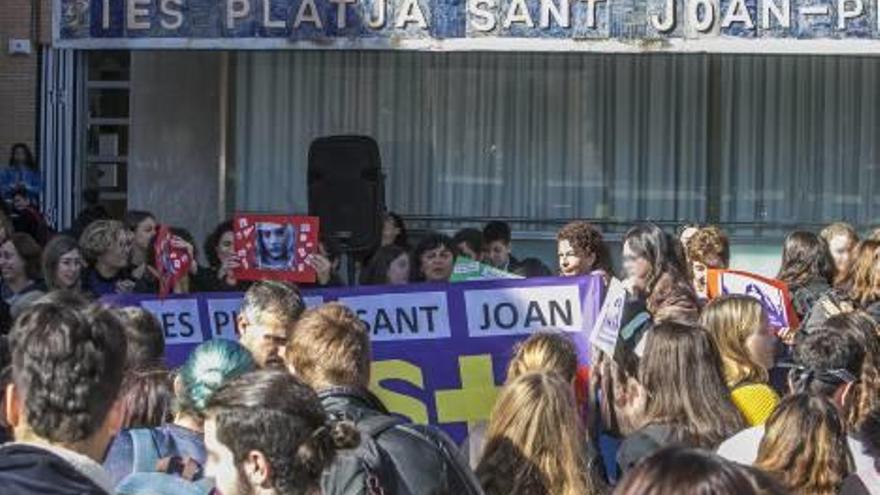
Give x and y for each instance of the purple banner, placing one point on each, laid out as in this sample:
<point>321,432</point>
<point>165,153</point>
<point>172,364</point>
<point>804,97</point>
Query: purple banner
<point>439,351</point>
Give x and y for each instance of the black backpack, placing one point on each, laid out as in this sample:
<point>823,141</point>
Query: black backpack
<point>366,469</point>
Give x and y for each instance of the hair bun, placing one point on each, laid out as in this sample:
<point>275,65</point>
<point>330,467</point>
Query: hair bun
<point>318,451</point>
<point>344,434</point>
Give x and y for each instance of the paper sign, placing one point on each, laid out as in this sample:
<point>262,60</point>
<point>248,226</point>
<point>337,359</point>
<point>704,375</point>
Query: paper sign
<point>275,247</point>
<point>606,331</point>
<point>466,269</point>
<point>772,294</point>
<point>173,261</point>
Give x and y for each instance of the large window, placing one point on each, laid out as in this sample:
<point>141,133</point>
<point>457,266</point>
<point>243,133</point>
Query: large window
<point>541,138</point>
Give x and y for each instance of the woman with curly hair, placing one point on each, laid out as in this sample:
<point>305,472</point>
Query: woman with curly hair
<point>581,251</point>
<point>708,248</point>
<point>106,246</point>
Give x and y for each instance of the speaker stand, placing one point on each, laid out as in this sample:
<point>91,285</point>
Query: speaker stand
<point>344,239</point>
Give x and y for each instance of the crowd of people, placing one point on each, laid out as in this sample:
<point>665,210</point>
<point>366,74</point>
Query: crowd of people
<point>698,396</point>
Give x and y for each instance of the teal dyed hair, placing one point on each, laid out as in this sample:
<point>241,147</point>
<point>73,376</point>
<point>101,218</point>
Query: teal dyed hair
<point>210,365</point>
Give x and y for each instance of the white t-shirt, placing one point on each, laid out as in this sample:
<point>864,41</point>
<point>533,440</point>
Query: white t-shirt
<point>743,448</point>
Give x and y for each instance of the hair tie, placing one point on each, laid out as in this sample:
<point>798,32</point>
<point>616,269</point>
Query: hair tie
<point>320,431</point>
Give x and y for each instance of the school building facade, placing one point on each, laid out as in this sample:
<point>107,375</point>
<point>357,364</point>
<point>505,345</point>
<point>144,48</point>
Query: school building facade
<point>758,115</point>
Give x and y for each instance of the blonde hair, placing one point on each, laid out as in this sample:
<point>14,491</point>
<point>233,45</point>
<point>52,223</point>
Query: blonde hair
<point>535,441</point>
<point>865,277</point>
<point>805,446</point>
<point>330,347</point>
<point>98,237</point>
<point>544,351</point>
<point>730,320</point>
<point>839,229</point>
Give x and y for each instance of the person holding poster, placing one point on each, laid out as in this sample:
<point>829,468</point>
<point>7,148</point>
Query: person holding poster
<point>435,258</point>
<point>171,266</point>
<point>708,248</point>
<point>653,274</point>
<point>219,275</point>
<point>807,269</point>
<point>581,251</point>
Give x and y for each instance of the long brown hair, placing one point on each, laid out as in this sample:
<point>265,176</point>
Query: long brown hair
<point>805,446</point>
<point>805,257</point>
<point>865,394</point>
<point>865,277</point>
<point>535,442</point>
<point>730,320</point>
<point>148,395</point>
<point>681,371</point>
<point>683,471</point>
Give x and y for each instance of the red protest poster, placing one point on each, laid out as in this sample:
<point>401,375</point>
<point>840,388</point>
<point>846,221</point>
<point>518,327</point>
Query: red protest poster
<point>275,247</point>
<point>173,259</point>
<point>771,293</point>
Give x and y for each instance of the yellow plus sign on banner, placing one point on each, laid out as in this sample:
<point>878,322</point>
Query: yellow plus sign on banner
<point>474,400</point>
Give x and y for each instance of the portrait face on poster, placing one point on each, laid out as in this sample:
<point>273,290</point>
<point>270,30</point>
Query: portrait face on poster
<point>275,247</point>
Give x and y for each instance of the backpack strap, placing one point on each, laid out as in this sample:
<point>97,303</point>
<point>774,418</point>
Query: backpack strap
<point>376,425</point>
<point>145,451</point>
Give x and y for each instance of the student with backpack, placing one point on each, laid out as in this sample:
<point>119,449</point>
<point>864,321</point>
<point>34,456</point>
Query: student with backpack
<point>329,350</point>
<point>266,433</point>
<point>170,459</point>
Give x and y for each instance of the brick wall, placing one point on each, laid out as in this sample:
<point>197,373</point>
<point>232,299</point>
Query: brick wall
<point>18,77</point>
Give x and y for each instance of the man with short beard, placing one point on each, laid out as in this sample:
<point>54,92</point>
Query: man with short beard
<point>268,312</point>
<point>267,434</point>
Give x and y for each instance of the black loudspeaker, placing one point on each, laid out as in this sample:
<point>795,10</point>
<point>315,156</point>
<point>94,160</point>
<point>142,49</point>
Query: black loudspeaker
<point>347,189</point>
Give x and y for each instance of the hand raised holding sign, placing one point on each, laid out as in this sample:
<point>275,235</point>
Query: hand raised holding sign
<point>322,266</point>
